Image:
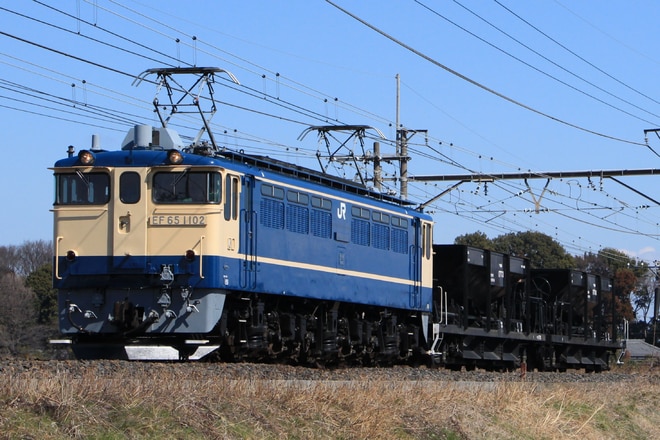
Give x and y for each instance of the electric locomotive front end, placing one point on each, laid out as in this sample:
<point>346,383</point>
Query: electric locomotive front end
<point>134,231</point>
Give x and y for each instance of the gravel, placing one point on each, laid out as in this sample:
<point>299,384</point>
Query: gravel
<point>17,368</point>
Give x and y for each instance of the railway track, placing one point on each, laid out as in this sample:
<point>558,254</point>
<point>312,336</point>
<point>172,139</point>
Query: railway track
<point>111,369</point>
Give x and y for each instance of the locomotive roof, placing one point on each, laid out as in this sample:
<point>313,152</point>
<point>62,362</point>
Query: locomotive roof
<point>156,156</point>
<point>307,174</point>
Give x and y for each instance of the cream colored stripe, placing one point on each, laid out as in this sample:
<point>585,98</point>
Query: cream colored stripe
<point>335,270</point>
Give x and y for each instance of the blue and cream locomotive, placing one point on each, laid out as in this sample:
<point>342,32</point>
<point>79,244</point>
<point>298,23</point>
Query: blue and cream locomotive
<point>167,251</point>
<point>194,249</point>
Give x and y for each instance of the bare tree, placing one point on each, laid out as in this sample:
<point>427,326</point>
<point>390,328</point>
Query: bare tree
<point>8,259</point>
<point>24,259</point>
<point>34,254</point>
<point>643,296</point>
<point>17,314</point>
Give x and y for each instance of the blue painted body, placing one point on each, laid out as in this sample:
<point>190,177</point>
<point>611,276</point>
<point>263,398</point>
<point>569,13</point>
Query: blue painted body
<point>275,256</point>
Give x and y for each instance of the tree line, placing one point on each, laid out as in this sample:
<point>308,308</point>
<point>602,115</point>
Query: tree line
<point>28,317</point>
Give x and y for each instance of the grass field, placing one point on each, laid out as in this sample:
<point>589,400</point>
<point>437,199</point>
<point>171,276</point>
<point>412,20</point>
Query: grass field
<point>58,405</point>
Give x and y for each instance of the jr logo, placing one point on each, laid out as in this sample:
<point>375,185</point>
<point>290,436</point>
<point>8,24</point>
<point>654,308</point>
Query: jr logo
<point>341,211</point>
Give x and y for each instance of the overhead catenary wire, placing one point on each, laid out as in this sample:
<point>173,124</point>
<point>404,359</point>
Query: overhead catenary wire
<point>478,84</point>
<point>272,99</point>
<point>554,63</point>
<point>95,40</point>
<point>578,56</point>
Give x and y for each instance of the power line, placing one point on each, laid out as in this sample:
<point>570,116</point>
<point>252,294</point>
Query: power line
<point>478,84</point>
<point>95,40</point>
<point>577,55</point>
<point>548,60</point>
<point>291,105</point>
<point>68,55</point>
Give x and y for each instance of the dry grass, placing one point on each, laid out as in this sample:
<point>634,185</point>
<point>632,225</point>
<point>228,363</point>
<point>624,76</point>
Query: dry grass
<point>167,406</point>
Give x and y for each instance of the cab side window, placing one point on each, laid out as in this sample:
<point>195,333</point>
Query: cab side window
<point>231,197</point>
<point>129,187</point>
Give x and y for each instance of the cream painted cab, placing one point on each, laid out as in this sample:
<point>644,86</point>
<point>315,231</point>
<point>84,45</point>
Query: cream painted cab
<point>126,216</point>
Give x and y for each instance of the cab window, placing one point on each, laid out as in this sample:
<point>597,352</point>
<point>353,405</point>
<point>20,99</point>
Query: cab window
<point>82,188</point>
<point>129,187</point>
<point>427,240</point>
<point>187,187</point>
<point>231,197</point>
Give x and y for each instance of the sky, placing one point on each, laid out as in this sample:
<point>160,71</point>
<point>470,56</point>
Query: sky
<point>490,87</point>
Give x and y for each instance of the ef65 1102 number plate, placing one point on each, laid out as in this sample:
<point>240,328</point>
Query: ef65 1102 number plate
<point>178,220</point>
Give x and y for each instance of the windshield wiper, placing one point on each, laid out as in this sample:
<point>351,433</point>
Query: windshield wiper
<point>83,177</point>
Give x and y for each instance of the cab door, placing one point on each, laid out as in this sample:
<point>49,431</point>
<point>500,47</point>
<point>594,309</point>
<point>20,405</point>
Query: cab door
<point>421,262</point>
<point>248,238</point>
<point>415,264</point>
<point>128,217</point>
<point>229,234</point>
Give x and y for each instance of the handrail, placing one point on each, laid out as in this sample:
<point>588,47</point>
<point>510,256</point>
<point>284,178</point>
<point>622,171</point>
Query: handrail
<point>438,336</point>
<point>57,257</point>
<point>201,255</point>
<point>441,304</point>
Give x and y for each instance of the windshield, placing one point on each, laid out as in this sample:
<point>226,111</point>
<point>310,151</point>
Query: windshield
<point>82,188</point>
<point>187,187</point>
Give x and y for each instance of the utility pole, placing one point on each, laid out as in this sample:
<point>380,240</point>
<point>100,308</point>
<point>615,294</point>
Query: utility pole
<point>403,166</point>
<point>656,303</point>
<point>403,135</point>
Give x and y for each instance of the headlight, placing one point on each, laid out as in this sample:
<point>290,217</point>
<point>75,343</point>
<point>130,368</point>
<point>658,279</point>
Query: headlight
<point>86,157</point>
<point>174,157</point>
